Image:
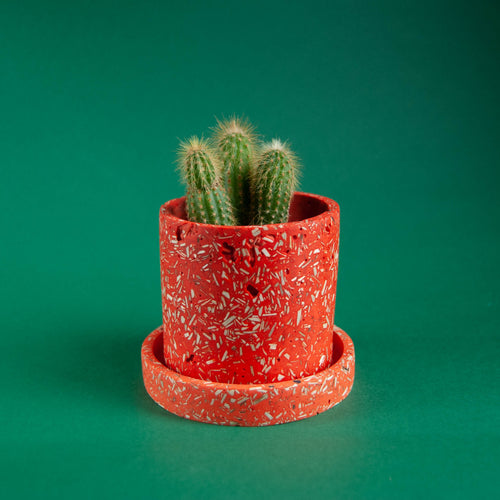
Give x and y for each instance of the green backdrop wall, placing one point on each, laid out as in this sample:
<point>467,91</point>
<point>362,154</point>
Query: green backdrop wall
<point>393,108</point>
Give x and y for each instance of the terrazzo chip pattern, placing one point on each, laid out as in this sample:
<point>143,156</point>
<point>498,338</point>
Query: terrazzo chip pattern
<point>250,304</point>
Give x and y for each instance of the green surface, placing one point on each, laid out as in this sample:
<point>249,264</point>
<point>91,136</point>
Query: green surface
<point>393,108</point>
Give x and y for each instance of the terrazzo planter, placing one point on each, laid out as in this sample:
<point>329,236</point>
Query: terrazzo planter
<point>249,308</point>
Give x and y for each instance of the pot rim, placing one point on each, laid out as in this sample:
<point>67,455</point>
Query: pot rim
<point>331,206</point>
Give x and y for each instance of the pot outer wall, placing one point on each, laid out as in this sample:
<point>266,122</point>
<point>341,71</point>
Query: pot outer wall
<point>250,304</point>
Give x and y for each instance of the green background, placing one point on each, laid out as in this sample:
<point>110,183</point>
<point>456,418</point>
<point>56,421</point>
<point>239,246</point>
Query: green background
<point>393,107</point>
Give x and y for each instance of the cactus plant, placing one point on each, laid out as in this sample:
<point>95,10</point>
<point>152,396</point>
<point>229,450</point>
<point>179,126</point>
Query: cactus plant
<point>206,199</point>
<point>232,180</point>
<point>274,180</point>
<point>235,142</point>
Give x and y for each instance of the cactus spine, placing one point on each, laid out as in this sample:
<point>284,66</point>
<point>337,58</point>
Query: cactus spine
<point>274,180</point>
<point>206,198</point>
<point>235,142</point>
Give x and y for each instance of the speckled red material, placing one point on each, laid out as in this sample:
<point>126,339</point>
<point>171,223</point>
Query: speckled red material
<point>250,404</point>
<point>250,304</point>
<point>248,335</point>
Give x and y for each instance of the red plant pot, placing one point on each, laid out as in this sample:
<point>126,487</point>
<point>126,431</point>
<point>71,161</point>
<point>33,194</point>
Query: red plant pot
<point>248,336</point>
<point>250,304</point>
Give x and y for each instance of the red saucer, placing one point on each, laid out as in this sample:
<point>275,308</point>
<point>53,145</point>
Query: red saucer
<point>247,404</point>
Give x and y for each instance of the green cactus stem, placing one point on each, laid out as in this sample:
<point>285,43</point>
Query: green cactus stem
<point>206,198</point>
<point>235,141</point>
<point>274,180</point>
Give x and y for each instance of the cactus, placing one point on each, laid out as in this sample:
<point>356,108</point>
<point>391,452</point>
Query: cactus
<point>206,198</point>
<point>235,142</point>
<point>274,180</point>
<point>229,182</point>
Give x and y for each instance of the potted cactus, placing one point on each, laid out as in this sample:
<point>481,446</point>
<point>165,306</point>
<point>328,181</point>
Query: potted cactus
<point>249,273</point>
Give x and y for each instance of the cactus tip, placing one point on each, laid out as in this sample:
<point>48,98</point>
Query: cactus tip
<point>235,125</point>
<point>192,148</point>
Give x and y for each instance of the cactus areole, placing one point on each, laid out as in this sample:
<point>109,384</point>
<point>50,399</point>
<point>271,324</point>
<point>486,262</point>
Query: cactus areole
<point>248,335</point>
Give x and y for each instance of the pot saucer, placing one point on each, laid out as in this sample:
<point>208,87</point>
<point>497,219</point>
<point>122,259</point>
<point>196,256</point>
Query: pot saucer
<point>247,404</point>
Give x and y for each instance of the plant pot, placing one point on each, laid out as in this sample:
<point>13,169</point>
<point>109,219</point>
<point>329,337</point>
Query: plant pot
<point>251,305</point>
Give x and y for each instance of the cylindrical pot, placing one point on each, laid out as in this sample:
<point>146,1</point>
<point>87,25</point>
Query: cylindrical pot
<point>250,304</point>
